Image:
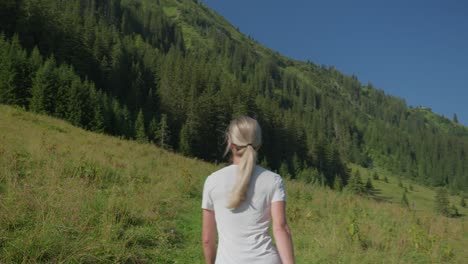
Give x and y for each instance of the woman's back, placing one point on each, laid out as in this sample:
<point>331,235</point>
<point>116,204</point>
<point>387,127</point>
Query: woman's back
<point>244,231</point>
<point>240,201</point>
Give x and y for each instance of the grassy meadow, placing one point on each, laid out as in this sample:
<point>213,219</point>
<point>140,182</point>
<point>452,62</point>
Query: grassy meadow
<point>72,196</point>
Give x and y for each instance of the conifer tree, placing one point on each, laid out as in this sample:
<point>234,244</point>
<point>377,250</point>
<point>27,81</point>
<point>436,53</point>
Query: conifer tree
<point>400,183</point>
<point>462,202</point>
<point>453,211</point>
<point>185,136</point>
<point>369,185</point>
<point>297,165</point>
<point>355,184</point>
<point>284,170</point>
<point>264,162</point>
<point>152,130</point>
<point>442,202</point>
<point>126,123</point>
<point>7,73</point>
<point>98,123</point>
<point>75,103</point>
<point>375,176</point>
<point>140,133</point>
<point>162,136</point>
<point>338,184</point>
<point>404,200</point>
<point>455,118</point>
<point>43,88</point>
<point>385,179</point>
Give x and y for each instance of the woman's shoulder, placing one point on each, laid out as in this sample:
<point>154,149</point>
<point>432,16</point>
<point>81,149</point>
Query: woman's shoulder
<point>222,172</point>
<point>268,173</point>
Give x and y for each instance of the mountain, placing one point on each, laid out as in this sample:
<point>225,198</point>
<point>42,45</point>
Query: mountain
<point>174,73</point>
<point>73,196</point>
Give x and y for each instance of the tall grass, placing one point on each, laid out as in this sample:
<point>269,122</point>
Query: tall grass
<point>71,196</point>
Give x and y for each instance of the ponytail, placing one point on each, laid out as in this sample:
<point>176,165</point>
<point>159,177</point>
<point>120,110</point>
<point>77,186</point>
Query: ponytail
<point>244,173</point>
<point>245,134</point>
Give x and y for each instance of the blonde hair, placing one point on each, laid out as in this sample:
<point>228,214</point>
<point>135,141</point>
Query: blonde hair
<point>245,134</point>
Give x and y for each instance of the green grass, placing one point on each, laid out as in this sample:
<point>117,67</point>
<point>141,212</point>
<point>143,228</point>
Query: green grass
<point>68,195</point>
<point>421,198</point>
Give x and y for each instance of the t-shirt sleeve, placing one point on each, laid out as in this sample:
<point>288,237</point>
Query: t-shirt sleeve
<point>207,201</point>
<point>279,193</point>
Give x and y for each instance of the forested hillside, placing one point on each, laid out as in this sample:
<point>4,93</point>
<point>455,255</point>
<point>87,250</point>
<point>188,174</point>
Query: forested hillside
<point>175,73</point>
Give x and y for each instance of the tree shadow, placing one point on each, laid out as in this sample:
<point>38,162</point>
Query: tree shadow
<point>375,195</point>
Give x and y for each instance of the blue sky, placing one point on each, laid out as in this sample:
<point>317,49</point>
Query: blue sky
<point>416,50</point>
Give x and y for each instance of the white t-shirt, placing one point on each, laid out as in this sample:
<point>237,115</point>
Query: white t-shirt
<point>244,232</point>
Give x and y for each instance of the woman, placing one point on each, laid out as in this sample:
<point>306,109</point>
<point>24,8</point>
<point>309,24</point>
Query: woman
<point>240,201</point>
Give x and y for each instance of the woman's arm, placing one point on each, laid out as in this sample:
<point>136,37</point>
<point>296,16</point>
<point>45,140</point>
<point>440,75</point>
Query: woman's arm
<point>209,236</point>
<point>282,233</point>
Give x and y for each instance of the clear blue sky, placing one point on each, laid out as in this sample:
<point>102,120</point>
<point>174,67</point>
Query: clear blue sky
<point>413,49</point>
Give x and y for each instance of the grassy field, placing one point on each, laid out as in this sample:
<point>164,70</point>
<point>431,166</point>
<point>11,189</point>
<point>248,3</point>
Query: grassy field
<point>68,195</point>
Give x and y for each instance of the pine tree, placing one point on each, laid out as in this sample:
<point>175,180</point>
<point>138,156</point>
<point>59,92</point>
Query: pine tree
<point>404,200</point>
<point>162,136</point>
<point>455,118</point>
<point>140,133</point>
<point>152,130</point>
<point>462,202</point>
<point>297,165</point>
<point>385,179</point>
<point>284,170</point>
<point>442,202</point>
<point>338,184</point>
<point>7,73</point>
<point>369,185</point>
<point>44,88</point>
<point>400,183</point>
<point>264,162</point>
<point>453,211</point>
<point>126,127</point>
<point>355,184</point>
<point>185,145</point>
<point>97,122</point>
<point>375,176</point>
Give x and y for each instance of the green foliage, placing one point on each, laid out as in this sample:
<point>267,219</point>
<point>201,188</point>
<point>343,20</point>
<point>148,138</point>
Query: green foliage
<point>162,134</point>
<point>404,200</point>
<point>462,201</point>
<point>453,211</point>
<point>375,176</point>
<point>310,175</point>
<point>355,184</point>
<point>400,183</point>
<point>442,203</point>
<point>140,133</point>
<point>369,185</point>
<point>455,118</point>
<point>284,170</point>
<point>338,184</point>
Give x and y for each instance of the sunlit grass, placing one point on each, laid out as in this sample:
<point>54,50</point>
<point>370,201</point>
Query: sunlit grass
<point>68,195</point>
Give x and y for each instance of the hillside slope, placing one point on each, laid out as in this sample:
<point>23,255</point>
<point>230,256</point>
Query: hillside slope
<point>68,195</point>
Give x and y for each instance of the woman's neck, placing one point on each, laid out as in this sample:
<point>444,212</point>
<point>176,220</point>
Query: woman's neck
<point>235,159</point>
